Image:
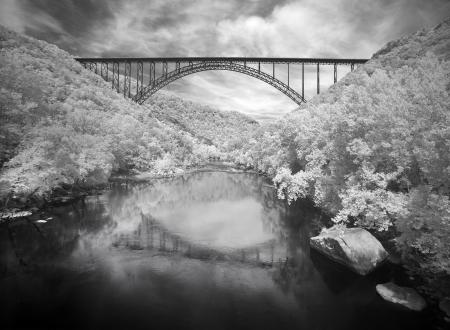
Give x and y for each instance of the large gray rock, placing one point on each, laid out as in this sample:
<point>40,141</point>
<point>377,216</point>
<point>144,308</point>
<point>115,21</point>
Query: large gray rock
<point>353,247</point>
<point>404,296</point>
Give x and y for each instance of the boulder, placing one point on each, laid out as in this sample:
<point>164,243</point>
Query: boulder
<point>355,248</point>
<point>404,296</point>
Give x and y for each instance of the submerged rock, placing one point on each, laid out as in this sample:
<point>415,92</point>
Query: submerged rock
<point>355,248</point>
<point>404,296</point>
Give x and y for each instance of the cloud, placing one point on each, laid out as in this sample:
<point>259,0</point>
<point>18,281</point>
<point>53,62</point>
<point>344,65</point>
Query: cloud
<point>10,15</point>
<point>305,28</point>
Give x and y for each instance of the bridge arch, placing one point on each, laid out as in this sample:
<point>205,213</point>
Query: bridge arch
<point>192,68</point>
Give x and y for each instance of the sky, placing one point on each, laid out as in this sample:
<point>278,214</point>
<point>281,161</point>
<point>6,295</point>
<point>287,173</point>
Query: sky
<point>272,28</point>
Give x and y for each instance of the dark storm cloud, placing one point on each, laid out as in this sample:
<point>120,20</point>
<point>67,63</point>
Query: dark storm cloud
<point>67,23</point>
<point>76,17</point>
<point>303,28</point>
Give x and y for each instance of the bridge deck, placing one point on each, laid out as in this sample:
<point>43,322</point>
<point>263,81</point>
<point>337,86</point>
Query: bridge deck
<point>270,60</point>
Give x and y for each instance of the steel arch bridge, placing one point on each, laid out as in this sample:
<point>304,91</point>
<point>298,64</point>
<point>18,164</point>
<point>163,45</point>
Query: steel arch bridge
<point>137,78</point>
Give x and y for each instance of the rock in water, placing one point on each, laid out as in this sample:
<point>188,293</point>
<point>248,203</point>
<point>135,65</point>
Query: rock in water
<point>353,247</point>
<point>404,296</point>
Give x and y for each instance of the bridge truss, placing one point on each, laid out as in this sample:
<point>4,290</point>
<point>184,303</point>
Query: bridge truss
<point>137,78</point>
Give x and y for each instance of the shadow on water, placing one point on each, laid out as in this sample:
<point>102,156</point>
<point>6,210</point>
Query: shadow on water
<point>208,250</point>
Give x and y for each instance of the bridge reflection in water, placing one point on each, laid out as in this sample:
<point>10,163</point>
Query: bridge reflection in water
<point>152,235</point>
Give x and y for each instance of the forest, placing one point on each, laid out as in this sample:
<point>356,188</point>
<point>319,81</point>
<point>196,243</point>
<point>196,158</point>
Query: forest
<point>373,151</point>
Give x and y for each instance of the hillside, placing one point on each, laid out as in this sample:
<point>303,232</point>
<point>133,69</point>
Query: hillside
<point>374,150</point>
<point>63,126</point>
<point>222,129</point>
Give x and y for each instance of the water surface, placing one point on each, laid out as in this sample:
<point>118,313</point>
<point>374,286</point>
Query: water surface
<point>209,250</point>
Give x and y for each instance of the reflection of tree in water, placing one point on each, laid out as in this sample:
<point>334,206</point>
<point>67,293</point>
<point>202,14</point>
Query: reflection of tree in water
<point>198,187</point>
<point>152,235</point>
<point>298,225</point>
<point>25,243</point>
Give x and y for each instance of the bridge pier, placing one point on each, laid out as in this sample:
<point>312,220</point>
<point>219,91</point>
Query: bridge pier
<point>165,69</point>
<point>139,77</point>
<point>127,80</point>
<point>152,74</point>
<point>335,72</point>
<point>318,79</point>
<point>116,77</point>
<point>288,74</point>
<point>303,81</point>
<point>104,71</point>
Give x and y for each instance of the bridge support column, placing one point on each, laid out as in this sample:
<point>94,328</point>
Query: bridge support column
<point>127,80</point>
<point>288,74</point>
<point>352,67</point>
<point>116,81</point>
<point>104,71</point>
<point>335,73</point>
<point>165,69</point>
<point>303,81</point>
<point>318,79</point>
<point>139,77</point>
<point>151,79</point>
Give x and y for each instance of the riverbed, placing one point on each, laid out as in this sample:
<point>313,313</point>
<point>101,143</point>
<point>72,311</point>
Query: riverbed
<point>206,250</point>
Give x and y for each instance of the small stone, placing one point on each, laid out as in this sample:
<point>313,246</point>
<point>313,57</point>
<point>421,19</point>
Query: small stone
<point>404,296</point>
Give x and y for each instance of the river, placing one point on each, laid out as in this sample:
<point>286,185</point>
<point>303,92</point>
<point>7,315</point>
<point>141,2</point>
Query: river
<point>206,250</point>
